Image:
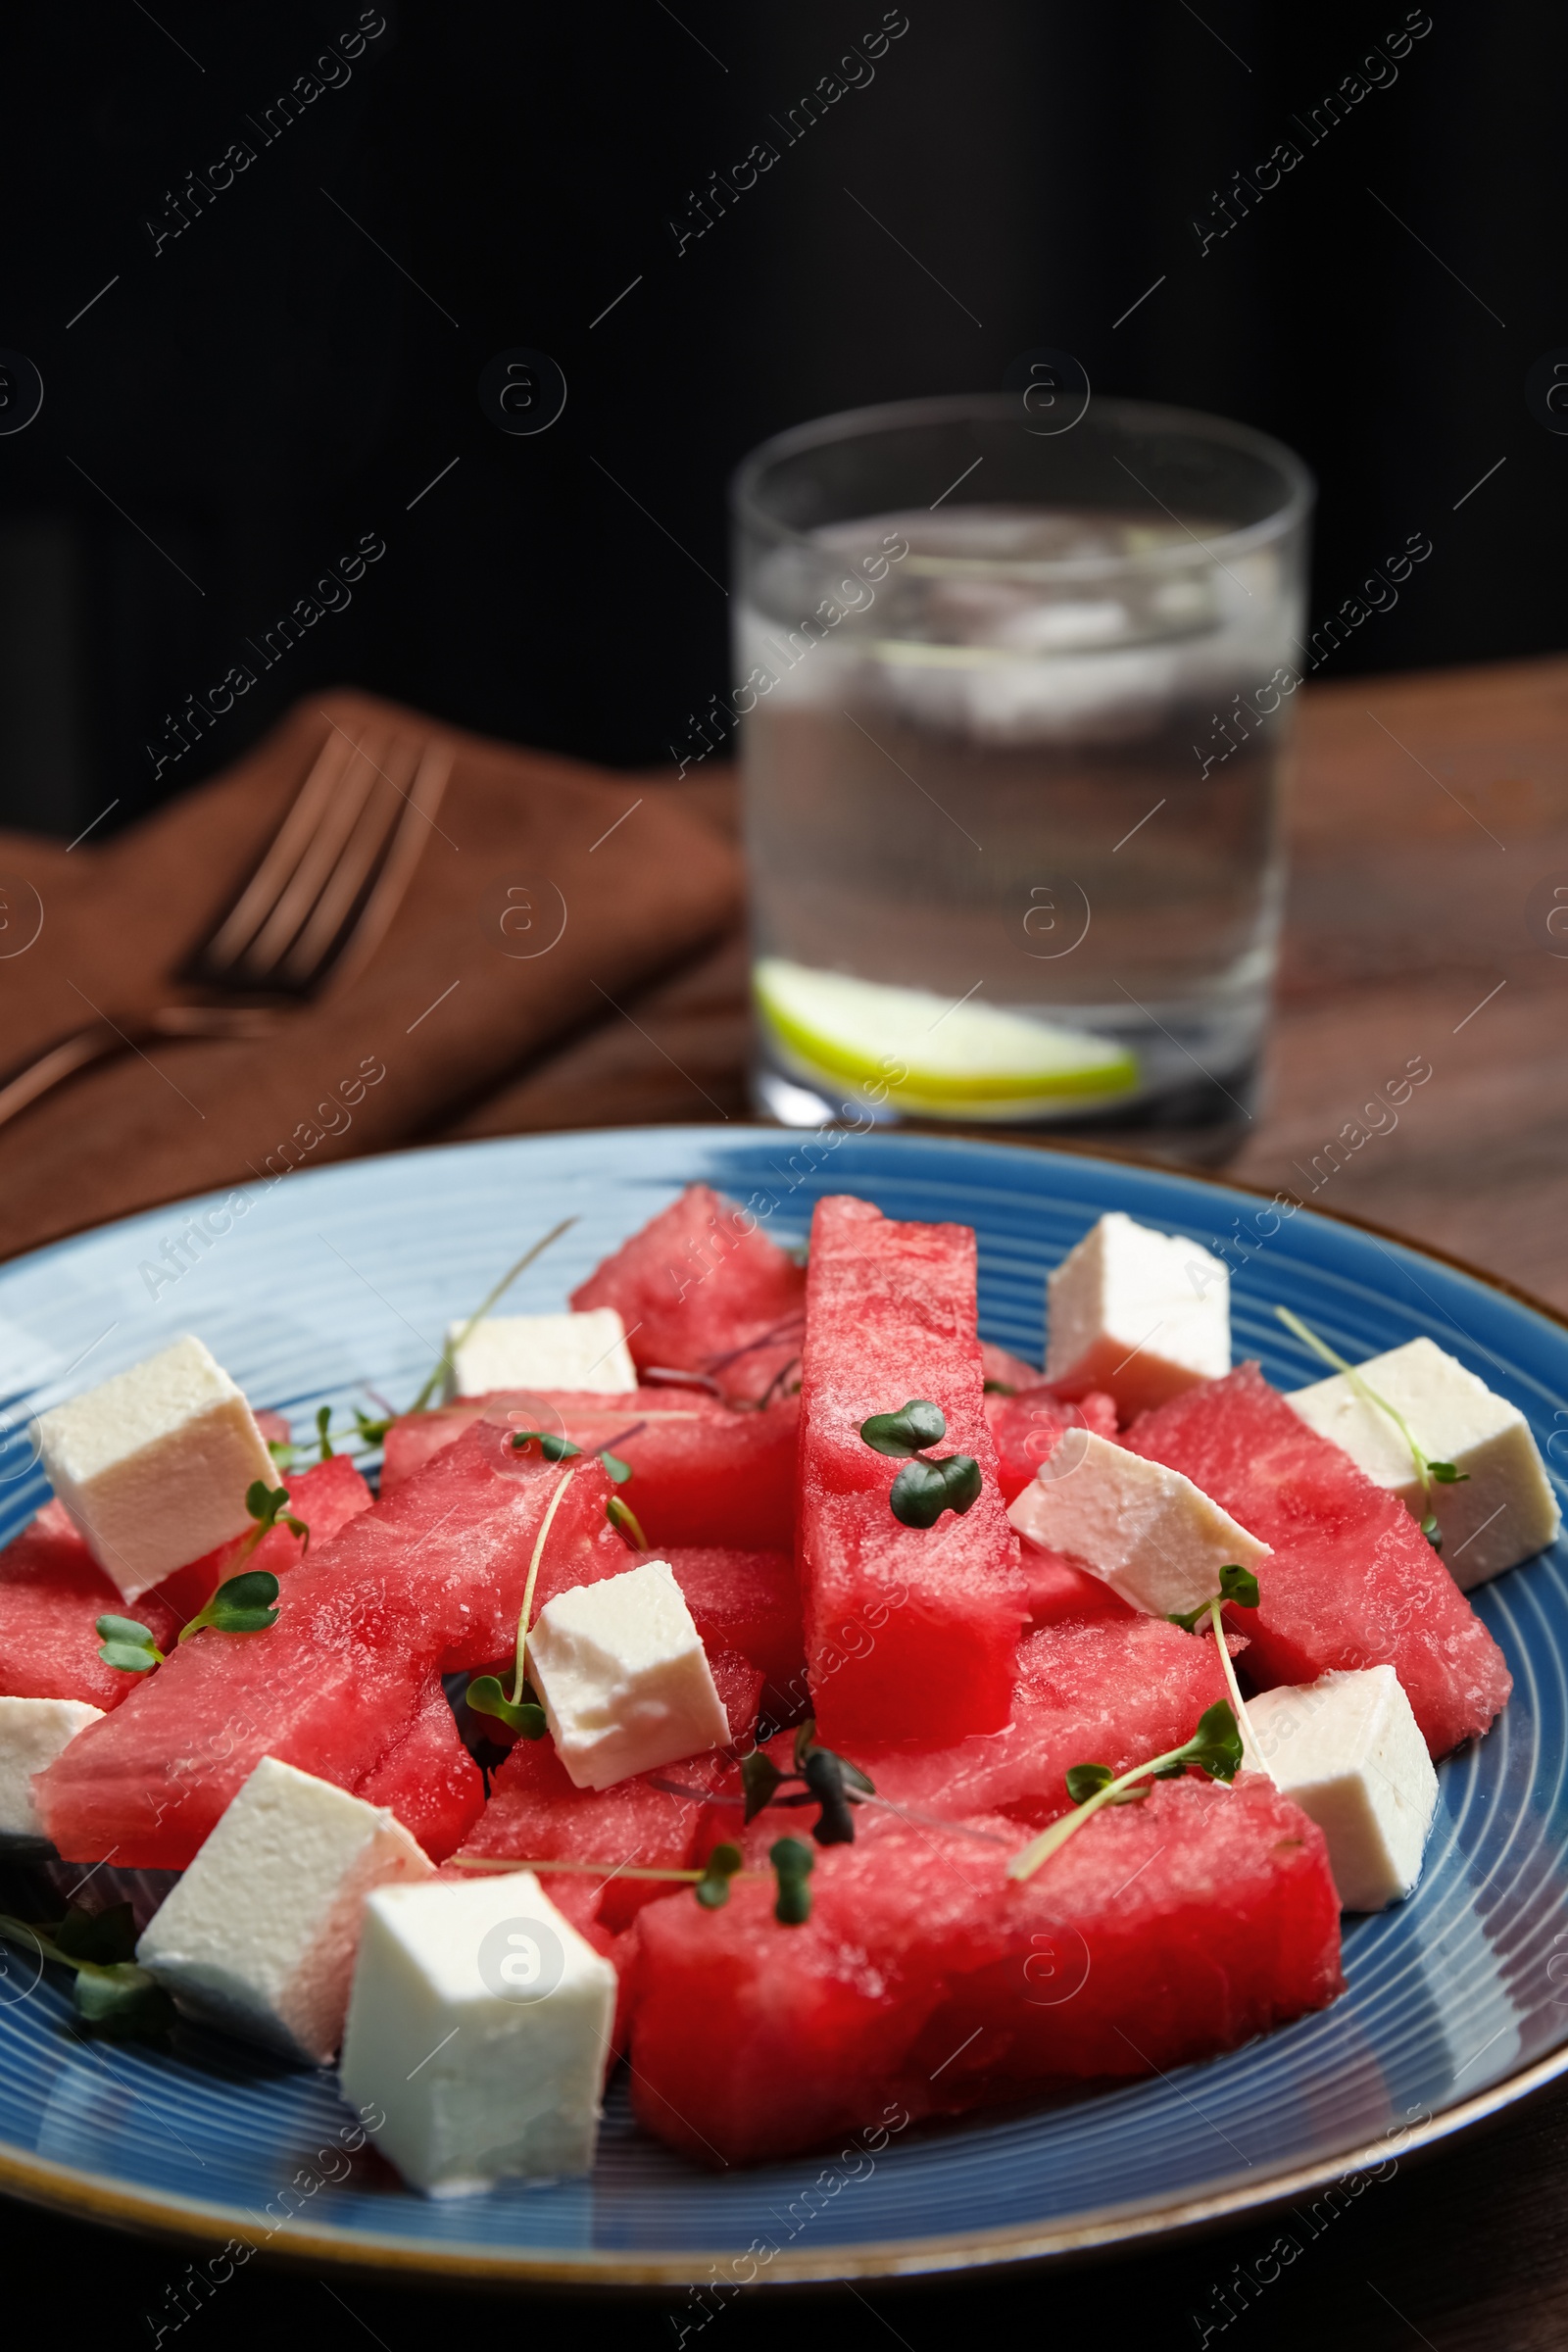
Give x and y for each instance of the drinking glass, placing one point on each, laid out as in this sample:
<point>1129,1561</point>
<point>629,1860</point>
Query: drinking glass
<point>1014,709</point>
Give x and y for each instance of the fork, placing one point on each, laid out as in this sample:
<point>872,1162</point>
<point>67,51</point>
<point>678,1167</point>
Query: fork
<point>315,908</point>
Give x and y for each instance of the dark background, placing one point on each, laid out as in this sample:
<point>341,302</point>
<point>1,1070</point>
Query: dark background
<point>270,384</point>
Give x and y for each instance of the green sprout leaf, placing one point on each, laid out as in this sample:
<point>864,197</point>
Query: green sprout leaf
<point>824,1775</point>
<point>923,1490</point>
<point>282,1451</point>
<point>1447,1476</point>
<point>127,1645</point>
<point>371,1433</point>
<point>124,2002</point>
<point>323,1432</point>
<point>615,1469</point>
<point>1239,1585</point>
<point>113,1997</point>
<point>712,1888</point>
<point>1215,1748</point>
<point>552,1447</point>
<point>487,1697</point>
<point>759,1777</point>
<point>792,1864</point>
<point>269,1508</point>
<point>917,1423</point>
<point>625,1522</point>
<point>242,1604</point>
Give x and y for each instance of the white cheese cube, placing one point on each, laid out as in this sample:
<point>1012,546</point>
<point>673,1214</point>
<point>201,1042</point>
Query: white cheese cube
<point>1146,1531</point>
<point>32,1733</point>
<point>260,1933</point>
<point>1140,1313</point>
<point>152,1465</point>
<point>1347,1750</point>
<point>587,1352</point>
<point>1503,1512</point>
<point>624,1677</point>
<point>480,2025</point>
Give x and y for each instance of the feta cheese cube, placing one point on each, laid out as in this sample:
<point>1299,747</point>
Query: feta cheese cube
<point>1146,1531</point>
<point>32,1733</point>
<point>1347,1750</point>
<point>624,1677</point>
<point>480,2025</point>
<point>1143,1315</point>
<point>1504,1512</point>
<point>587,1352</point>
<point>152,1465</point>
<point>260,1933</point>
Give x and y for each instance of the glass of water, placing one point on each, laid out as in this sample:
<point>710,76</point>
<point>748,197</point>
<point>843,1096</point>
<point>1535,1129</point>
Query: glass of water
<point>1015,698</point>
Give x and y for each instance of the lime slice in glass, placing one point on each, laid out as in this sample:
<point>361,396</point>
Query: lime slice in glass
<point>933,1056</point>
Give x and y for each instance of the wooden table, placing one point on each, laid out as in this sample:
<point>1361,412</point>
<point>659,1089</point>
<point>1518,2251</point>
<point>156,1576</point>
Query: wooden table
<point>1429,814</point>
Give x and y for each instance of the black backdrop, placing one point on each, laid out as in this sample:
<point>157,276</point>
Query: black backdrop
<point>282,362</point>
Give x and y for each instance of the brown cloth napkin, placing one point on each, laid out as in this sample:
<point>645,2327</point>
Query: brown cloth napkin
<point>445,1012</point>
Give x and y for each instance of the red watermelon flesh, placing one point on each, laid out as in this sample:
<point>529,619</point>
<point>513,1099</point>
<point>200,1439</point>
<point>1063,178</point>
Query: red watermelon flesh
<point>428,1581</point>
<point>535,1814</point>
<point>701,1287</point>
<point>702,1473</point>
<point>910,1633</point>
<point>428,1778</point>
<point>1060,1592</point>
<point>926,1981</point>
<point>1352,1581</point>
<point>1028,1428</point>
<point>325,1497</point>
<point>52,1594</point>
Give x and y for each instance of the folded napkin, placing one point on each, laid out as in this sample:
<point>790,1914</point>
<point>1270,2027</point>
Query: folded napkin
<point>445,1012</point>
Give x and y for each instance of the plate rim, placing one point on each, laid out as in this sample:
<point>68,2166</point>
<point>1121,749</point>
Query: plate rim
<point>97,2197</point>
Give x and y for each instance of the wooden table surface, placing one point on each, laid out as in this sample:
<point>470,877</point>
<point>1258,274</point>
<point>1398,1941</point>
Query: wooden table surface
<point>1429,827</point>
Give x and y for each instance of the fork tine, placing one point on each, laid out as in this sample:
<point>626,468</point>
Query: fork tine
<point>288,845</point>
<point>317,862</point>
<point>312,950</point>
<point>421,804</point>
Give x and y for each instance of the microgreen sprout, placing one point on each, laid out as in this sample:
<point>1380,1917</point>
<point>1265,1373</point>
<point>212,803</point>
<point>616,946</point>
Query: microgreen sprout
<point>1428,1471</point>
<point>112,1994</point>
<point>923,1488</point>
<point>127,1645</point>
<point>521,1712</point>
<point>323,1432</point>
<point>625,1522</point>
<point>269,1508</point>
<point>443,1362</point>
<point>1239,1585</point>
<point>550,1448</point>
<point>793,1865</point>
<point>712,1888</point>
<point>242,1604</point>
<point>829,1780</point>
<point>1215,1748</point>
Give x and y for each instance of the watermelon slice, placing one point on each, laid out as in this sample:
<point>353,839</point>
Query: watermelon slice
<point>702,1289</point>
<point>1353,1582</point>
<point>429,1778</point>
<point>430,1580</point>
<point>926,1981</point>
<point>325,1498</point>
<point>1028,1428</point>
<point>910,1633</point>
<point>702,1473</point>
<point>52,1594</point>
<point>1005,1371</point>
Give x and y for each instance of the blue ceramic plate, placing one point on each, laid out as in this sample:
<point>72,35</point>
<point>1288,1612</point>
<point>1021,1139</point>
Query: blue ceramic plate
<point>344,1278</point>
